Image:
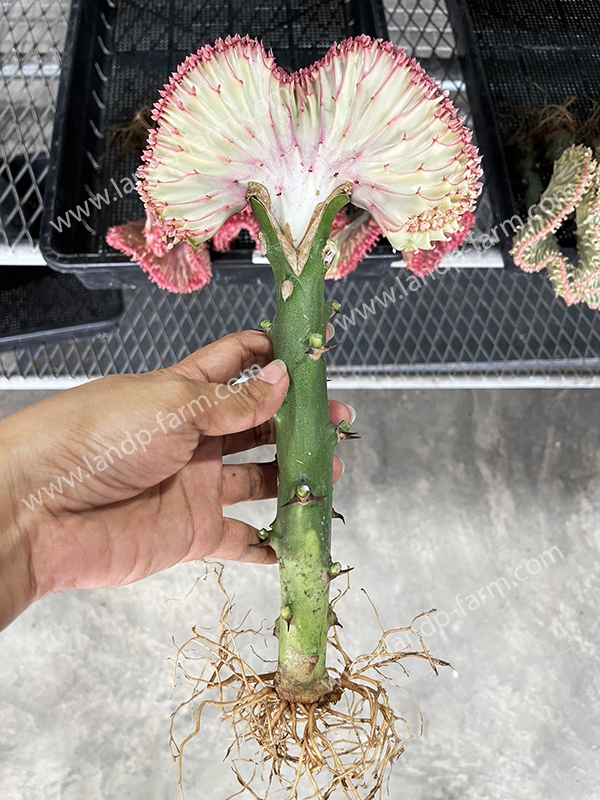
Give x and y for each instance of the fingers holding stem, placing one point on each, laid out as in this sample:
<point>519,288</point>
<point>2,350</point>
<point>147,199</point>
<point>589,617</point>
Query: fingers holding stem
<point>265,433</point>
<point>242,483</point>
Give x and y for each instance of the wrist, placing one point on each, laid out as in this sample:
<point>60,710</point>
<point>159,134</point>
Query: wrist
<point>17,580</point>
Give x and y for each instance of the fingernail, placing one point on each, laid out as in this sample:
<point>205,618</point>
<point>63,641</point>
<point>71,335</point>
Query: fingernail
<point>330,331</point>
<point>343,465</point>
<point>352,413</point>
<point>273,372</point>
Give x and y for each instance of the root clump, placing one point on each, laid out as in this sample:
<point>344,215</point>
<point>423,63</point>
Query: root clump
<point>342,746</point>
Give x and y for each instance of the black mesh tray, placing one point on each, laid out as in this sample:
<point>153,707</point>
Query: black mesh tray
<point>119,53</point>
<point>37,305</point>
<point>517,55</point>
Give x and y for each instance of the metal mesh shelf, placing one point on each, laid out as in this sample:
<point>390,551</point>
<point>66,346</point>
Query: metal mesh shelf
<point>469,324</point>
<point>31,40</point>
<point>466,326</point>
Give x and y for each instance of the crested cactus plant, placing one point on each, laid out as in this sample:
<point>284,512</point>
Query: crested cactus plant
<point>177,267</point>
<point>573,188</point>
<point>367,125</point>
<point>184,269</point>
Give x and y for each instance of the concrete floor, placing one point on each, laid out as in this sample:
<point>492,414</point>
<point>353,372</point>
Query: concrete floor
<point>483,504</point>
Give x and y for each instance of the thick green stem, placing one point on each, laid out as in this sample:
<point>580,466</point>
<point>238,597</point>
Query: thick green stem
<point>306,439</point>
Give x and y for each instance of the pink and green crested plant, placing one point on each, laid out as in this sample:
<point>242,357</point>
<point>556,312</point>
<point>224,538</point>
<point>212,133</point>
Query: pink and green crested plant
<point>230,119</point>
<point>364,125</point>
<point>177,267</point>
<point>244,220</point>
<point>573,187</point>
<point>424,262</point>
<point>352,237</point>
<point>189,269</point>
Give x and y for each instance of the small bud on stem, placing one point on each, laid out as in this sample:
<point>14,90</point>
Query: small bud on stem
<point>316,352</point>
<point>336,570</point>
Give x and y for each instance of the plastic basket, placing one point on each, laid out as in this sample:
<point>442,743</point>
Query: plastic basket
<point>38,306</point>
<point>518,55</point>
<point>117,57</point>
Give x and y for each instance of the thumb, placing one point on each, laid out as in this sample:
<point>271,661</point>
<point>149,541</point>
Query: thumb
<point>238,406</point>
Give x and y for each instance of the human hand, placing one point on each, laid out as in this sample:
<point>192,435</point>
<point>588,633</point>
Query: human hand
<point>161,500</point>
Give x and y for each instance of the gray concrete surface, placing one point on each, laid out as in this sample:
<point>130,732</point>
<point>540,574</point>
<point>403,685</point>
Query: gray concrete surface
<point>485,505</point>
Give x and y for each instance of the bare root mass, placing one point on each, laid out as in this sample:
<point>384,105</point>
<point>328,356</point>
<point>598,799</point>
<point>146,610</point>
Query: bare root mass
<point>346,744</point>
<point>132,137</point>
<point>537,125</point>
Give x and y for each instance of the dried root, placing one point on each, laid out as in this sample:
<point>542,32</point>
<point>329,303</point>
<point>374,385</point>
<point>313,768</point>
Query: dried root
<point>132,136</point>
<point>552,119</point>
<point>543,133</point>
<point>590,130</point>
<point>345,745</point>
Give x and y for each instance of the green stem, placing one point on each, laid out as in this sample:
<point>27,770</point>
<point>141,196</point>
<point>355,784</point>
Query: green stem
<point>306,439</point>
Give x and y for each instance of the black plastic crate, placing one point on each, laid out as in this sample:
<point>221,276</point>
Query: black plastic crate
<point>119,53</point>
<point>37,306</point>
<point>516,55</point>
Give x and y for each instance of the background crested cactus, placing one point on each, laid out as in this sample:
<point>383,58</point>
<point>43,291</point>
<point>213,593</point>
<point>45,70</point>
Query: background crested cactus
<point>574,187</point>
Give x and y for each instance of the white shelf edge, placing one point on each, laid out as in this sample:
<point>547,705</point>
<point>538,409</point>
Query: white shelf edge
<point>19,383</point>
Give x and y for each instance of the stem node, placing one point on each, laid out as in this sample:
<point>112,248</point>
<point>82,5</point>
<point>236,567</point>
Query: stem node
<point>316,352</point>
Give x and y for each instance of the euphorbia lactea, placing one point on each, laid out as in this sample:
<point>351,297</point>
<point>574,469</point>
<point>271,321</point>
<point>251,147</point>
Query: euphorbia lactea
<point>365,124</point>
<point>177,267</point>
<point>366,121</point>
<point>184,269</point>
<point>574,187</point>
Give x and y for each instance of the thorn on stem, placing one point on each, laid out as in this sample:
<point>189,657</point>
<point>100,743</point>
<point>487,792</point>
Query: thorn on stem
<point>316,352</point>
<point>336,570</point>
<point>333,620</point>
<point>335,623</point>
<point>344,432</point>
<point>336,515</point>
<point>264,537</point>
